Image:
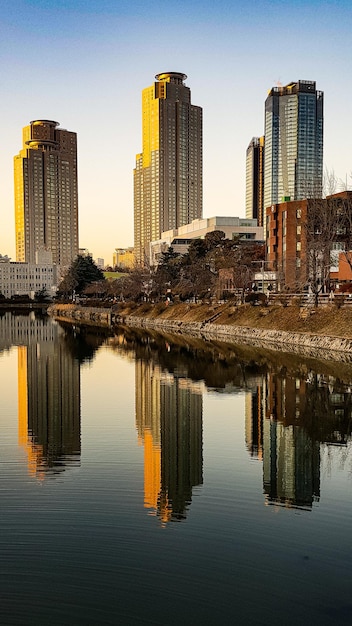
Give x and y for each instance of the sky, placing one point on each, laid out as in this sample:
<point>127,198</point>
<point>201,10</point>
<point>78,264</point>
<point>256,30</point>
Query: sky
<point>84,63</point>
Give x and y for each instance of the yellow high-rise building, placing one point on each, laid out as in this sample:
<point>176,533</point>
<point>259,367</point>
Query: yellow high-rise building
<point>46,196</point>
<point>168,186</point>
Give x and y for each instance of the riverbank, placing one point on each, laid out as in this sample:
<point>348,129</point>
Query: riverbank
<point>324,331</point>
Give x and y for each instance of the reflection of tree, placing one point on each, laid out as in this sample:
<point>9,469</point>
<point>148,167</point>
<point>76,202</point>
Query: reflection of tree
<point>197,360</point>
<point>83,341</point>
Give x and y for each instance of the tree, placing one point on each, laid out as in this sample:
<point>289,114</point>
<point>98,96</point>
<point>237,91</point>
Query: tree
<point>325,228</point>
<point>167,273</point>
<point>42,295</point>
<point>81,273</point>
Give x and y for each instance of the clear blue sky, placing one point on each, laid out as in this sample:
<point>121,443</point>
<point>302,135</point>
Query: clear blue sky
<point>84,63</point>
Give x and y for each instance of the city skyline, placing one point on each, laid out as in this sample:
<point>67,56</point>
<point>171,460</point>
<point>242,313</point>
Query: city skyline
<point>90,74</point>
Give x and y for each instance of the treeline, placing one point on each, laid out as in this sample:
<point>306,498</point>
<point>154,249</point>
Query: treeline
<point>194,275</point>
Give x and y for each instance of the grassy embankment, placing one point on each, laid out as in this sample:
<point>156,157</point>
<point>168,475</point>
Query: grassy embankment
<point>329,321</point>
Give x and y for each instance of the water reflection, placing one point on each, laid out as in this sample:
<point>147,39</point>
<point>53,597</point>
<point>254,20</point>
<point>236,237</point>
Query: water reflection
<point>169,423</point>
<point>288,419</point>
<point>292,414</point>
<point>295,410</point>
<point>49,418</point>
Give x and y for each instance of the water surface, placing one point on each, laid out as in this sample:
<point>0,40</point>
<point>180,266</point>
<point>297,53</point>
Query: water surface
<point>152,480</point>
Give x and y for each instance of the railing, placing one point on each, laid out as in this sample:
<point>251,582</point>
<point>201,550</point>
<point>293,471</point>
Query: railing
<point>309,299</point>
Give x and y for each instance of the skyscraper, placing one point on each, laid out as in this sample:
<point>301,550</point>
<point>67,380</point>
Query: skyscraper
<point>255,180</point>
<point>46,197</point>
<point>168,173</point>
<point>293,155</point>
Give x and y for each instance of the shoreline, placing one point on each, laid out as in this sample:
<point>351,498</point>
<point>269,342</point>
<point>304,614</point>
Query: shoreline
<point>219,323</point>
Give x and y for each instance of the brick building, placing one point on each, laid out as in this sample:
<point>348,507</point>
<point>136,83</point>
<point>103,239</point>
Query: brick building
<point>322,226</point>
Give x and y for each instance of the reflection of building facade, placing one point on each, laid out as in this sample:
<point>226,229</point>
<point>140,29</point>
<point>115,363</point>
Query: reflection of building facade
<point>275,434</point>
<point>48,397</point>
<point>169,423</point>
<point>291,457</point>
<point>254,423</point>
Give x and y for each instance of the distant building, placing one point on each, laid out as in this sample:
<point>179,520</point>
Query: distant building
<point>124,258</point>
<point>100,263</point>
<point>26,278</point>
<point>46,196</point>
<point>168,174</point>
<point>180,238</point>
<point>255,180</point>
<point>293,154</point>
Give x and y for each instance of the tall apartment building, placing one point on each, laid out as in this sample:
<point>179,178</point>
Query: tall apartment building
<point>255,180</point>
<point>168,173</point>
<point>46,197</point>
<point>293,154</point>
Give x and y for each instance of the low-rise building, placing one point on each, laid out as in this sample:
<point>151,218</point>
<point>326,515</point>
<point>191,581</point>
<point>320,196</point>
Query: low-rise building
<point>124,258</point>
<point>26,278</point>
<point>300,233</point>
<point>180,238</point>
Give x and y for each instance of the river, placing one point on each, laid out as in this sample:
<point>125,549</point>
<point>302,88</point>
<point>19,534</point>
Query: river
<point>147,479</point>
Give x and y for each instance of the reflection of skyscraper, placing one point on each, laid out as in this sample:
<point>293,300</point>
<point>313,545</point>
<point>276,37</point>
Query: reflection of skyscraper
<point>48,400</point>
<point>169,422</point>
<point>291,457</point>
<point>254,423</point>
<point>46,197</point>
<point>168,173</point>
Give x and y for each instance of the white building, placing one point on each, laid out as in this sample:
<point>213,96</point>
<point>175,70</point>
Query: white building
<point>26,278</point>
<point>180,238</point>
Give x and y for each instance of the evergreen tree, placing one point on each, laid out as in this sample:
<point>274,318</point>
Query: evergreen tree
<point>81,273</point>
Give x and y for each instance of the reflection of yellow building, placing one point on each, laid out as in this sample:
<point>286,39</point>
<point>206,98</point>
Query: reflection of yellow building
<point>169,424</point>
<point>48,400</point>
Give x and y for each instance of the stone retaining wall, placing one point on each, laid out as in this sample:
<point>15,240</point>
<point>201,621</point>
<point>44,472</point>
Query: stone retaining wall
<point>74,313</point>
<point>319,346</point>
<point>335,348</point>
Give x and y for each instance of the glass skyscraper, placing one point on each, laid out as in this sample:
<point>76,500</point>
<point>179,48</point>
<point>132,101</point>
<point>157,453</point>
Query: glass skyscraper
<point>293,156</point>
<point>168,174</point>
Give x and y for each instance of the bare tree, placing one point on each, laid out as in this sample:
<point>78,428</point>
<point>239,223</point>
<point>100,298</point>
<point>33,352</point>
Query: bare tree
<point>324,228</point>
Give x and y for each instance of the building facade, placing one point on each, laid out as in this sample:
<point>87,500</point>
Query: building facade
<point>255,180</point>
<point>124,258</point>
<point>26,278</point>
<point>46,196</point>
<point>293,154</point>
<point>180,238</point>
<point>168,183</point>
<point>305,238</point>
